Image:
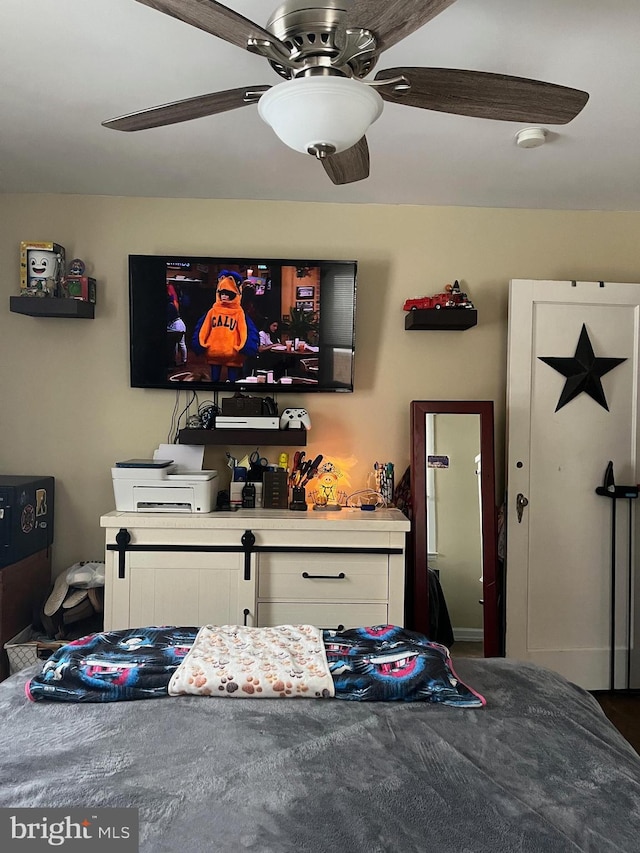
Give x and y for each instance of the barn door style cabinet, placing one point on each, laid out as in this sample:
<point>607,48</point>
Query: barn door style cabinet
<point>255,567</point>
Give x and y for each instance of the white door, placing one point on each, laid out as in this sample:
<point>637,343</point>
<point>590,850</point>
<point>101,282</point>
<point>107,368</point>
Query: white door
<point>562,430</point>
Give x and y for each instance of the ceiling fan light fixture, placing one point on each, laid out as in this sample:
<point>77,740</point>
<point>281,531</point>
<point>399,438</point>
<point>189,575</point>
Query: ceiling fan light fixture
<point>311,114</point>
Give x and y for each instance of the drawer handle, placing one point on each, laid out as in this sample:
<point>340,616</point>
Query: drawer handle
<point>123,538</point>
<point>246,613</point>
<point>248,541</point>
<point>339,577</point>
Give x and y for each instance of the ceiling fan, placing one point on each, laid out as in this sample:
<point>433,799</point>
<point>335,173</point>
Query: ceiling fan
<point>324,49</point>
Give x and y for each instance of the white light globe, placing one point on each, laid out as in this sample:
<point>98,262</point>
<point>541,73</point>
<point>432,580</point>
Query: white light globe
<point>308,112</point>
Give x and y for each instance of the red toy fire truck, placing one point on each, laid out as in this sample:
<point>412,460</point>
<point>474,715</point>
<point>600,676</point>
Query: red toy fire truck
<point>451,297</point>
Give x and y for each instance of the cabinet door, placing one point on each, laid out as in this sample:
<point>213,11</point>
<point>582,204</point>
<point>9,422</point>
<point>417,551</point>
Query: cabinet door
<point>175,588</point>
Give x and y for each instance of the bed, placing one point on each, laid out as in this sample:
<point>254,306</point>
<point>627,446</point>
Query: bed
<point>537,769</point>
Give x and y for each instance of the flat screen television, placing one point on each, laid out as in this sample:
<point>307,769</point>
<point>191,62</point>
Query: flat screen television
<point>251,324</point>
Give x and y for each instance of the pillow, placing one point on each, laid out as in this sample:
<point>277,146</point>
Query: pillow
<point>387,663</point>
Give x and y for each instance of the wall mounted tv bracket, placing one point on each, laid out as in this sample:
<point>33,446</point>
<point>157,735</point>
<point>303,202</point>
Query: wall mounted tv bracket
<point>609,489</point>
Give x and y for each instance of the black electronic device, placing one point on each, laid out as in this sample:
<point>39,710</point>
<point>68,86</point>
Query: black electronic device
<point>242,406</point>
<point>313,338</point>
<point>298,499</point>
<point>26,516</point>
<point>249,496</point>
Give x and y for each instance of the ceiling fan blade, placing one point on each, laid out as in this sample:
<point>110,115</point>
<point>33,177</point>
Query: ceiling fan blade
<point>484,95</point>
<point>392,20</point>
<point>349,166</point>
<point>198,107</point>
<point>216,19</point>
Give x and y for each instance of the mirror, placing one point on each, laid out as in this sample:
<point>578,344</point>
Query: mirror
<point>454,519</point>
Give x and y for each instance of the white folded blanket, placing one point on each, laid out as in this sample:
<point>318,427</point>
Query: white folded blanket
<point>258,663</point>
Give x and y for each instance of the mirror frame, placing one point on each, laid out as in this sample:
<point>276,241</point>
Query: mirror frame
<point>419,586</point>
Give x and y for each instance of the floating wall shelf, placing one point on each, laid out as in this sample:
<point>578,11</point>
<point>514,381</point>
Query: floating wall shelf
<point>257,437</point>
<point>36,306</point>
<point>430,319</point>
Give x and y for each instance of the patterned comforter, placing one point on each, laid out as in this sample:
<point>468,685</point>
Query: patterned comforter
<point>382,663</point>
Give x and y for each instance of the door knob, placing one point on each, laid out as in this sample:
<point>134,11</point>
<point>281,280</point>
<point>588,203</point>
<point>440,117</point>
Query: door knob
<point>521,503</point>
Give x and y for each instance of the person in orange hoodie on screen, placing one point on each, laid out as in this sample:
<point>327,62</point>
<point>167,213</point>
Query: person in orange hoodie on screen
<point>224,330</point>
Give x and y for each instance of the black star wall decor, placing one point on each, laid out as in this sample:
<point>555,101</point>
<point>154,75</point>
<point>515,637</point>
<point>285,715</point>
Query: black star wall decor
<point>583,372</point>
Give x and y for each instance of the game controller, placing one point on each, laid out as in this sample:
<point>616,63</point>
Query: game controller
<point>295,419</point>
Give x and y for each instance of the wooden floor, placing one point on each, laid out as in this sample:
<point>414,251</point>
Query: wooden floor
<point>461,649</point>
<point>623,710</point>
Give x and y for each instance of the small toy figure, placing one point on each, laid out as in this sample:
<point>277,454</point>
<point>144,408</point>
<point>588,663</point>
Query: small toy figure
<point>43,270</point>
<point>76,267</point>
<point>457,298</point>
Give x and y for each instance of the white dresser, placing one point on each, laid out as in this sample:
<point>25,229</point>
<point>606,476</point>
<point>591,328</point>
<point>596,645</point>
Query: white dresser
<point>255,567</point>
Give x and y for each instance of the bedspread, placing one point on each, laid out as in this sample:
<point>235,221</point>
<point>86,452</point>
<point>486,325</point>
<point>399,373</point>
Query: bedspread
<point>367,664</point>
<point>538,770</point>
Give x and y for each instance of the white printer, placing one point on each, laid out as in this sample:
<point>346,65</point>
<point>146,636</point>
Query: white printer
<point>160,485</point>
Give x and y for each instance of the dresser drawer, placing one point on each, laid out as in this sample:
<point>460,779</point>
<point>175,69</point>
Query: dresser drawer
<point>281,577</point>
<point>321,615</point>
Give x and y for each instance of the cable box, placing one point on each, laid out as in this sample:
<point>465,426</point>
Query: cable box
<point>225,422</point>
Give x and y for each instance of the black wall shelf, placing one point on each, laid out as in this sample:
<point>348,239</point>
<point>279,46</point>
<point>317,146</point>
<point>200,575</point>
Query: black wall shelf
<point>431,319</point>
<point>257,437</point>
<point>35,306</point>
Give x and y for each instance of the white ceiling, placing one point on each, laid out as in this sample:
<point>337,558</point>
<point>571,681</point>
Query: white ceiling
<point>67,65</point>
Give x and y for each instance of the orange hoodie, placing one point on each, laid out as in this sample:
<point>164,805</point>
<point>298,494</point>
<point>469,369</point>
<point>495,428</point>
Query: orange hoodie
<point>224,330</point>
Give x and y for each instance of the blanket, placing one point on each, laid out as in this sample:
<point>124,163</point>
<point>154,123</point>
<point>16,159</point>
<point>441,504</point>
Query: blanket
<point>380,663</point>
<point>112,666</point>
<point>388,663</point>
<point>236,661</point>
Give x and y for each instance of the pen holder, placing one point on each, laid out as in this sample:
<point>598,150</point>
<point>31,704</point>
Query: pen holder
<point>298,499</point>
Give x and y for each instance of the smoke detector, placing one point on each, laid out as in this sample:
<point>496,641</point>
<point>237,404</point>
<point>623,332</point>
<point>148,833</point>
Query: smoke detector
<point>531,137</point>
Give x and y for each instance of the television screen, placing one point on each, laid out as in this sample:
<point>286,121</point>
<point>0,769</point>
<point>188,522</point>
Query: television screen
<point>241,323</point>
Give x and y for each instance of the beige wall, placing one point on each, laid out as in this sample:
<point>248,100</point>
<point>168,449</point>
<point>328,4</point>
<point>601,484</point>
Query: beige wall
<point>67,409</point>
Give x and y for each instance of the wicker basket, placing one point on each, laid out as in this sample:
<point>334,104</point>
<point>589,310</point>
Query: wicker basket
<point>28,648</point>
